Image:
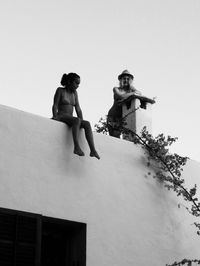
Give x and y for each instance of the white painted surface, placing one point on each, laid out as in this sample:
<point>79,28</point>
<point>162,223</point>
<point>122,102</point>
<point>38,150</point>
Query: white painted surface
<point>136,117</point>
<point>131,219</point>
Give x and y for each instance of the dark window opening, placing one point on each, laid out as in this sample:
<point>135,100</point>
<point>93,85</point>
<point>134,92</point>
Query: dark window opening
<point>63,243</point>
<point>28,239</point>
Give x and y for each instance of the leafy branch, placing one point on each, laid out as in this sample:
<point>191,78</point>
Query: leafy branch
<point>187,262</point>
<point>169,171</point>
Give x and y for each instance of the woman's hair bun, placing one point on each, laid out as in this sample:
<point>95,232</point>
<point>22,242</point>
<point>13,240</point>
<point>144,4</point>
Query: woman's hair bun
<point>63,81</point>
<point>68,78</point>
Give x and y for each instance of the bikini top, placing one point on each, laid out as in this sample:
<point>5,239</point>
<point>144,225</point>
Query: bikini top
<point>67,98</point>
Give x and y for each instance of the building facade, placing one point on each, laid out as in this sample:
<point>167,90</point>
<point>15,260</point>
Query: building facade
<point>57,208</point>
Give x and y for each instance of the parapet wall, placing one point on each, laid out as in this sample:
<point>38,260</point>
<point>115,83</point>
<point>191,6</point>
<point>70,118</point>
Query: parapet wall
<point>131,219</point>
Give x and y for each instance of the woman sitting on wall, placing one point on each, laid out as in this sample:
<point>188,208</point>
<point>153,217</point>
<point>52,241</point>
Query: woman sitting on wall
<point>65,99</point>
<point>121,93</point>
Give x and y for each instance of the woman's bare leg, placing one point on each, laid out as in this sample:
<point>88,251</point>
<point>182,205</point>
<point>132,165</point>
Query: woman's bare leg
<point>75,134</point>
<point>89,137</point>
<point>75,123</point>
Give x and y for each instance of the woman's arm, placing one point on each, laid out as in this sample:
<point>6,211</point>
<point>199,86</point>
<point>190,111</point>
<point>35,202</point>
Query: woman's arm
<point>122,95</point>
<point>56,102</point>
<point>135,91</point>
<point>77,107</point>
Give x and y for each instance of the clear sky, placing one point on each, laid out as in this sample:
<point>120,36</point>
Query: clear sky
<point>156,40</point>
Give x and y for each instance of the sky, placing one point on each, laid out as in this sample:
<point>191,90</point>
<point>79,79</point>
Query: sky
<point>158,41</point>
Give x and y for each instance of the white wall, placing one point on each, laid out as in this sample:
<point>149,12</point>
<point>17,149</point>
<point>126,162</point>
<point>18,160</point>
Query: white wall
<point>131,219</point>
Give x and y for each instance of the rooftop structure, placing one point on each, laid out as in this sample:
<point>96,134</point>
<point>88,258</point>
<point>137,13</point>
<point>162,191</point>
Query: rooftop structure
<point>137,112</point>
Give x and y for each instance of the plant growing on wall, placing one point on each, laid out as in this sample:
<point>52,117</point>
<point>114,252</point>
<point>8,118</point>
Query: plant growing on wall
<point>169,169</point>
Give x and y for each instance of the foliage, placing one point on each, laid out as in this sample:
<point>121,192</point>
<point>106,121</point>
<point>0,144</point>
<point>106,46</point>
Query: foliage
<point>102,126</point>
<point>186,262</point>
<point>169,170</point>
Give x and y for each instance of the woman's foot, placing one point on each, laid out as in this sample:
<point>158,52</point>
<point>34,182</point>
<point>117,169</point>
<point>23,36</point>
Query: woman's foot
<point>78,151</point>
<point>94,154</point>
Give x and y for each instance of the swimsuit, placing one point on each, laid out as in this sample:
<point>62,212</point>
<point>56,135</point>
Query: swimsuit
<point>67,98</point>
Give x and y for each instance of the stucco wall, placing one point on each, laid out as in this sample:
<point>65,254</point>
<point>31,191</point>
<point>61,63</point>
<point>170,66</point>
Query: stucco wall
<point>131,219</point>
